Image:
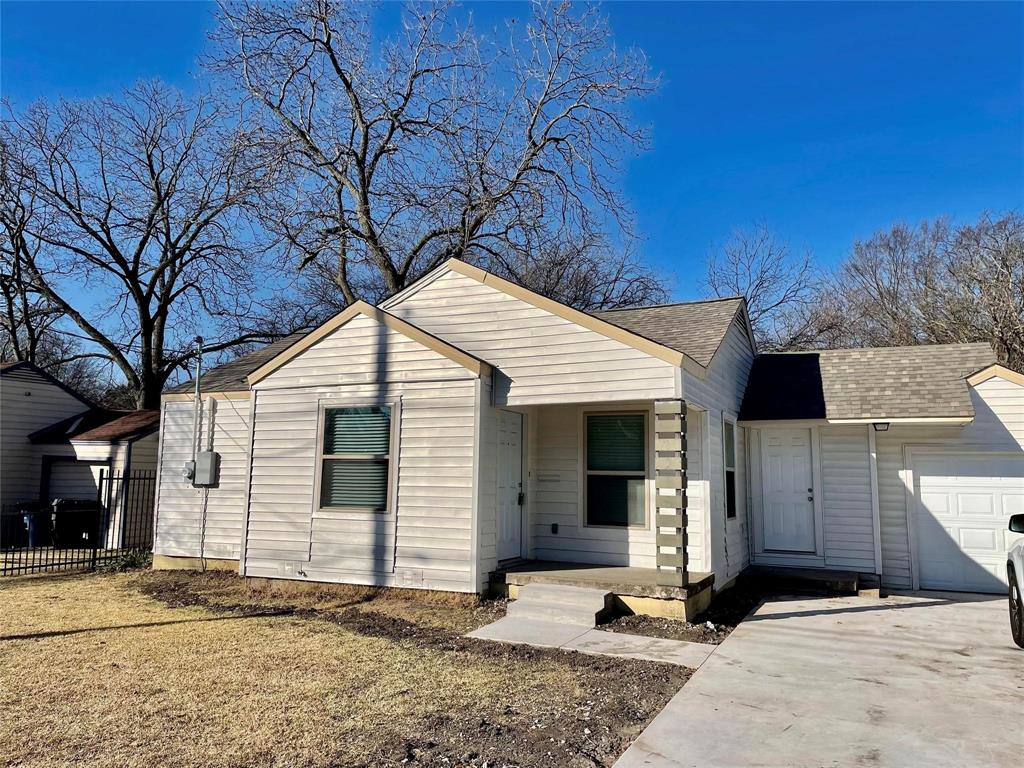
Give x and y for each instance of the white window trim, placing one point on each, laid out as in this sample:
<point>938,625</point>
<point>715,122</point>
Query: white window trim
<point>355,513</point>
<point>648,464</point>
<point>729,419</point>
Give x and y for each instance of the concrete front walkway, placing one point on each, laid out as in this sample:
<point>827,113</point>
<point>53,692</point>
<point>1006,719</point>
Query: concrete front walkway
<point>573,637</point>
<point>928,680</point>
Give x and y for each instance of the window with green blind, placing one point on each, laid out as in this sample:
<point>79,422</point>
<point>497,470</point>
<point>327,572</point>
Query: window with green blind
<point>616,469</point>
<point>355,458</point>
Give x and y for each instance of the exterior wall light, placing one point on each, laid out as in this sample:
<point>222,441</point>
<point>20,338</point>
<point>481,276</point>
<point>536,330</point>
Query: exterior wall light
<point>881,426</point>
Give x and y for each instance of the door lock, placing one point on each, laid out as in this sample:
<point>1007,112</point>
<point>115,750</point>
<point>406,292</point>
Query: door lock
<point>521,498</point>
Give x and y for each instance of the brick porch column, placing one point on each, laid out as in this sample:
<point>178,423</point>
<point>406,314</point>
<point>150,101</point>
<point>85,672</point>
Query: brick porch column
<point>670,490</point>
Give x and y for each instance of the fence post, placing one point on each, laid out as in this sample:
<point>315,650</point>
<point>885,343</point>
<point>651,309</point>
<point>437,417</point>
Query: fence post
<point>97,518</point>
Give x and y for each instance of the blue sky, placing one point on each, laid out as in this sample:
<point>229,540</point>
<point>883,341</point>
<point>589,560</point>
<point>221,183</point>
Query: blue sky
<point>824,121</point>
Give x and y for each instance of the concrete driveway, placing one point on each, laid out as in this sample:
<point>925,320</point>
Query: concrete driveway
<point>929,680</point>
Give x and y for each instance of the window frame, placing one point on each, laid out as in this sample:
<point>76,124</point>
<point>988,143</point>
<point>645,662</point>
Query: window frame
<point>366,513</point>
<point>728,421</point>
<point>645,474</point>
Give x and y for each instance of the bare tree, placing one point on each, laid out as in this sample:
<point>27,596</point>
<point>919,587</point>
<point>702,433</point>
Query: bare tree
<point>989,264</point>
<point>781,288</point>
<point>938,283</point>
<point>131,221</point>
<point>442,142</point>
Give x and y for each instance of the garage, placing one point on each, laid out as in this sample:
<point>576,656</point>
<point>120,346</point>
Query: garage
<point>70,479</point>
<point>964,502</point>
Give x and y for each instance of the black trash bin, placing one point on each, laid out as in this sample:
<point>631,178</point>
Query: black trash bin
<point>76,523</point>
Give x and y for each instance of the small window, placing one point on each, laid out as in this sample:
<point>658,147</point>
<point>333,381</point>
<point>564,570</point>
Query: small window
<point>729,449</point>
<point>616,469</point>
<point>355,459</point>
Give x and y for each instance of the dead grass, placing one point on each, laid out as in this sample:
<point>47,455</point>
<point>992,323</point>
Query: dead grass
<point>142,669</point>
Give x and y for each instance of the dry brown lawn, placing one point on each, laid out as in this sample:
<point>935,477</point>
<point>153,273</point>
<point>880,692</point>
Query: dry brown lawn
<point>172,668</point>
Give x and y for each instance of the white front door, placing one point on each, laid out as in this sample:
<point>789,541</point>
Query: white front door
<point>963,514</point>
<point>788,486</point>
<point>510,485</point>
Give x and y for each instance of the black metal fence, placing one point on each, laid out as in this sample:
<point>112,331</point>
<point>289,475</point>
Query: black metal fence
<point>80,534</point>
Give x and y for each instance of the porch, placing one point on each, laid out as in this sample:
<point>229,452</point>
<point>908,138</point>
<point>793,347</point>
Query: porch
<point>636,590</point>
<point>600,495</point>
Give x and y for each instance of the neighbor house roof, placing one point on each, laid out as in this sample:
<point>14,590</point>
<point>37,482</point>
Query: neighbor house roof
<point>99,425</point>
<point>869,384</point>
<point>231,376</point>
<point>695,328</point>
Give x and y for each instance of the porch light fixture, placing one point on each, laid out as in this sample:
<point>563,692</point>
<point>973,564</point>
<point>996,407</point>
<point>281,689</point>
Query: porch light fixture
<point>881,426</point>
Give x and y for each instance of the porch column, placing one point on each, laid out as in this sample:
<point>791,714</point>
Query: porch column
<point>670,491</point>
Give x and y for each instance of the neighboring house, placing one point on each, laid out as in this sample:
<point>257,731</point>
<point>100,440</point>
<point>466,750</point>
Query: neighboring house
<point>54,442</point>
<point>468,423</point>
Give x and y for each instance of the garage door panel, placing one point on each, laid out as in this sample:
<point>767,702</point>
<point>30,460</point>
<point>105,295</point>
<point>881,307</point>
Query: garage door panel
<point>964,506</point>
<point>976,505</point>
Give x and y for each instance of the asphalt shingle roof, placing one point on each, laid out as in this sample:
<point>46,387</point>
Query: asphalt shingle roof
<point>870,383</point>
<point>230,377</point>
<point>99,424</point>
<point>695,328</point>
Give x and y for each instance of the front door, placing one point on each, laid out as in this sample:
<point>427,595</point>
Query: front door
<point>788,486</point>
<point>510,485</point>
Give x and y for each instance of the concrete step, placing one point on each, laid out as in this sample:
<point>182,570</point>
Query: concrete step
<point>804,581</point>
<point>579,606</point>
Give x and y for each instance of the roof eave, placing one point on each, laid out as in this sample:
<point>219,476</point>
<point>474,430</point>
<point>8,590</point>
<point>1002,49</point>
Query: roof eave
<point>954,420</point>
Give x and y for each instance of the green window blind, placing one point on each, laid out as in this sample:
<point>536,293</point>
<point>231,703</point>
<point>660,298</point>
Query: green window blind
<point>356,458</point>
<point>616,442</point>
<point>355,484</point>
<point>616,484</point>
<point>357,430</point>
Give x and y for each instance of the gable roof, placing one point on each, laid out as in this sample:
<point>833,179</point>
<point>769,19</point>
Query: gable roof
<point>996,371</point>
<point>442,347</point>
<point>922,383</point>
<point>696,328</point>
<point>99,424</point>
<point>590,321</point>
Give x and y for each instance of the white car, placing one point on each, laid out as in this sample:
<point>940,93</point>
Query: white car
<point>1015,575</point>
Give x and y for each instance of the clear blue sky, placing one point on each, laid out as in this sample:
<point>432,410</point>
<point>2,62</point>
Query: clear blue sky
<point>825,121</point>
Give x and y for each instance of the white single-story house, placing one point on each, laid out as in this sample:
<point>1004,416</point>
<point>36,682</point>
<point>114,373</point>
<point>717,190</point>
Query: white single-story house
<point>54,444</point>
<point>468,427</point>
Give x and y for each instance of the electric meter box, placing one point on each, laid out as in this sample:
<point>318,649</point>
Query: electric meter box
<point>207,469</point>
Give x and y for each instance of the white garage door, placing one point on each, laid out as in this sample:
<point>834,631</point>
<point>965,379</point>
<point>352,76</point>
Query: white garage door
<point>74,480</point>
<point>964,505</point>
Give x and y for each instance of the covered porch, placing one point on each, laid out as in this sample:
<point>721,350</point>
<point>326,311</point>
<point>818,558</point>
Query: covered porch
<point>603,502</point>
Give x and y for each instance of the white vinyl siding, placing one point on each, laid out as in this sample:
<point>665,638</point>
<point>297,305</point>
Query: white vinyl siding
<point>721,391</point>
<point>426,542</point>
<point>144,453</point>
<point>202,522</point>
<point>846,498</point>
<point>556,464</point>
<point>696,493</point>
<point>540,358</point>
<point>28,402</point>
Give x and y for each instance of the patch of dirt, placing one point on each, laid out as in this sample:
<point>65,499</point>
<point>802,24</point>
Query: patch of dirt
<point>724,614</point>
<point>588,722</point>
